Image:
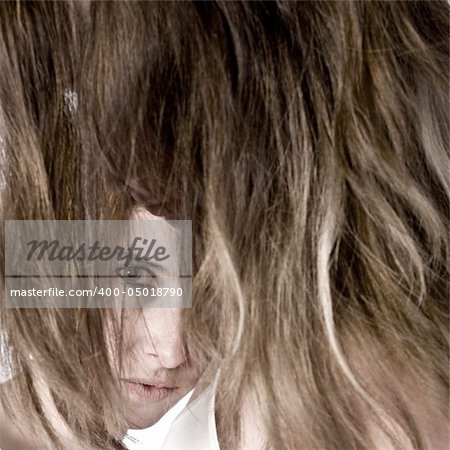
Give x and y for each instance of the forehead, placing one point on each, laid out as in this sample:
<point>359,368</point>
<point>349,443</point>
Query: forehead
<point>144,221</point>
<point>140,213</point>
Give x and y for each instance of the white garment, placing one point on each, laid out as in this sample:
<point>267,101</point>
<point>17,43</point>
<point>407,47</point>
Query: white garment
<point>195,426</point>
<point>5,360</point>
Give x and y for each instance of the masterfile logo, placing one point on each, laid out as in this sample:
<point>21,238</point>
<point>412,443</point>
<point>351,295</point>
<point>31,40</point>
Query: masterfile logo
<point>115,264</point>
<point>54,251</point>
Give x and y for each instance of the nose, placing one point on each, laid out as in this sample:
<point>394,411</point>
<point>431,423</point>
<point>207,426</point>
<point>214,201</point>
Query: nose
<point>166,332</point>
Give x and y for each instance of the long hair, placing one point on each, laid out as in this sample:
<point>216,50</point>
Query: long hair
<point>308,143</point>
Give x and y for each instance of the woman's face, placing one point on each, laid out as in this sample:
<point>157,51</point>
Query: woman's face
<point>156,371</point>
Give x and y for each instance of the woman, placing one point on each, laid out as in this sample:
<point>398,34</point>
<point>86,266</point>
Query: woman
<point>307,142</point>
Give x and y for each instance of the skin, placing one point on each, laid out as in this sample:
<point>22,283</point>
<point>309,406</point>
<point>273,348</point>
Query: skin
<point>159,358</point>
<point>154,348</point>
<point>154,353</point>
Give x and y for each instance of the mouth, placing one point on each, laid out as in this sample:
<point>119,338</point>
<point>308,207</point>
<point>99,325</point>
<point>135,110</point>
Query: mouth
<point>148,390</point>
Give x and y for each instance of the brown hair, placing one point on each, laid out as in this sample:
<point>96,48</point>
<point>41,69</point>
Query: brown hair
<point>308,144</point>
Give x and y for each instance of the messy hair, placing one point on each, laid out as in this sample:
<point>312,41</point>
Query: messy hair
<point>307,142</point>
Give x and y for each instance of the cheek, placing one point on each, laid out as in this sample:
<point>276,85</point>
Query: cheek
<point>119,332</point>
<point>109,331</point>
<point>136,340</point>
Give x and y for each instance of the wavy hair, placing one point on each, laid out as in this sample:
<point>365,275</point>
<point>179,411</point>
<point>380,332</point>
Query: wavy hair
<point>308,143</point>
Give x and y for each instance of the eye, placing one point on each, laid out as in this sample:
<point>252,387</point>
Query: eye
<point>136,275</point>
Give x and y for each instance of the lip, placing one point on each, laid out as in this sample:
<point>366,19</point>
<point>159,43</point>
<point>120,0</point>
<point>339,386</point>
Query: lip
<point>148,390</point>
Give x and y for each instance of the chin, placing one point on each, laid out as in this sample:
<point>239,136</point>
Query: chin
<point>140,422</point>
<point>146,405</point>
<point>140,415</point>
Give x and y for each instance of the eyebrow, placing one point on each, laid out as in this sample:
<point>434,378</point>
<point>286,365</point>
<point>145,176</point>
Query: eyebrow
<point>153,265</point>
